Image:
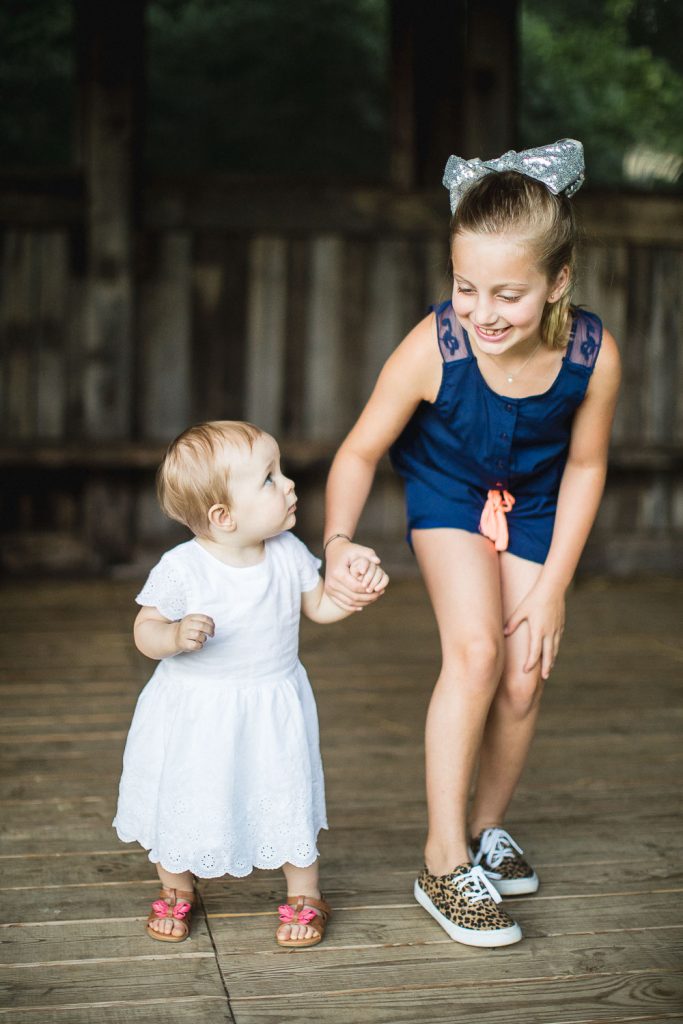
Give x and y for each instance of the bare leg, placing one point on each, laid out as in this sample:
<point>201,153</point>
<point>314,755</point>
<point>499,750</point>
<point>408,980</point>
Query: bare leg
<point>184,882</point>
<point>462,574</point>
<point>300,882</point>
<point>512,719</point>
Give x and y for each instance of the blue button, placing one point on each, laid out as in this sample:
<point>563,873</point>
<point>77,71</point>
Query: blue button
<point>508,407</point>
<point>504,436</point>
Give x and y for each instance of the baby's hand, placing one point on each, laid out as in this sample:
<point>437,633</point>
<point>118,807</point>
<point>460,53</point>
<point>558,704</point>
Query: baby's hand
<point>193,631</point>
<point>371,575</point>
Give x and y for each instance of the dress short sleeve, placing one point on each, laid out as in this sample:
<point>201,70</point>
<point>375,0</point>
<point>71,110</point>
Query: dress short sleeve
<point>165,589</point>
<point>307,564</point>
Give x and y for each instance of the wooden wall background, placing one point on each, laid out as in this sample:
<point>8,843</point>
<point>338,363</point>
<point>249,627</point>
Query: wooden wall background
<point>279,305</point>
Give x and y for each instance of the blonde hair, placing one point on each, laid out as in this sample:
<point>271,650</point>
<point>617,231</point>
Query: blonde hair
<point>193,476</point>
<point>509,201</point>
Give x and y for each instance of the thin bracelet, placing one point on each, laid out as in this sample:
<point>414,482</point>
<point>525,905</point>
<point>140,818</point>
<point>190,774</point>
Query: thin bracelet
<point>334,537</point>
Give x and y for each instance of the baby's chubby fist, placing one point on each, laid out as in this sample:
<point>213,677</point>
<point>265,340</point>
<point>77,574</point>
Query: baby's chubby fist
<point>192,632</point>
<point>372,576</point>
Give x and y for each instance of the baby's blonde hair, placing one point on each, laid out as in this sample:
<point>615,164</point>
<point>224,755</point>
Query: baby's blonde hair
<point>193,476</point>
<point>507,201</point>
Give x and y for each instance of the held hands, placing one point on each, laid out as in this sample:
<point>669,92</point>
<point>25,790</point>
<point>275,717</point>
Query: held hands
<point>192,632</point>
<point>353,576</point>
<point>370,575</point>
<point>543,611</point>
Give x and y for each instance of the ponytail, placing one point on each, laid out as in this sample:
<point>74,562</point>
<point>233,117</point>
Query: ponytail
<point>554,321</point>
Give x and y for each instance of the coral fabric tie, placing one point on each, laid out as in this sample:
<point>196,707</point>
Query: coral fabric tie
<point>493,523</point>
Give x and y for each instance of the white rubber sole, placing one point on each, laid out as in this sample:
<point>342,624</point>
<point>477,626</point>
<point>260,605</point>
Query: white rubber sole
<point>515,886</point>
<point>468,936</point>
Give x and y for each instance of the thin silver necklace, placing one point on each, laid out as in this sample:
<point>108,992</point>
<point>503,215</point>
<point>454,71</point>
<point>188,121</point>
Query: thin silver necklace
<point>511,378</point>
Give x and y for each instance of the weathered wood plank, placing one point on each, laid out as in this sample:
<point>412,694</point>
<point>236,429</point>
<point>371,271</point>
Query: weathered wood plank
<point>92,983</point>
<point>51,367</point>
<point>18,343</point>
<point>647,996</point>
<point>325,406</point>
<point>441,963</point>
<point>165,360</point>
<point>267,304</point>
<point>152,1010</point>
<point>221,282</point>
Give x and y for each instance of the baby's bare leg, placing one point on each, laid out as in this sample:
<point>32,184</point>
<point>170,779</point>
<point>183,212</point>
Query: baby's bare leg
<point>300,882</point>
<point>184,882</point>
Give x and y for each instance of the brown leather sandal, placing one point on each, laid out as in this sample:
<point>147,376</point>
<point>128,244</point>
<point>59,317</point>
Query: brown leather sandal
<point>297,911</point>
<point>176,904</point>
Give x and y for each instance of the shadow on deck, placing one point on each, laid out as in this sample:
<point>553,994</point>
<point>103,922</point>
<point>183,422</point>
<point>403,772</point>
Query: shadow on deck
<point>597,813</point>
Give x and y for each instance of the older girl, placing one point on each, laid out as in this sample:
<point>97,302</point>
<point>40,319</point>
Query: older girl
<point>497,408</point>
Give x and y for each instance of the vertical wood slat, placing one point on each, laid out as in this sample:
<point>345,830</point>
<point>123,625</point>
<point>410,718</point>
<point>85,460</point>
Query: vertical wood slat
<point>266,319</point>
<point>323,417</point>
<point>665,350</point>
<point>601,288</point>
<point>218,326</point>
<point>298,286</point>
<point>638,316</point>
<point>393,304</point>
<point>51,376</point>
<point>110,59</point>
<point>165,324</point>
<point>20,300</point>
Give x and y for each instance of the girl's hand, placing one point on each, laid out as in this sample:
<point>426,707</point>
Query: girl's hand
<point>543,611</point>
<point>192,632</point>
<point>371,575</point>
<point>340,584</point>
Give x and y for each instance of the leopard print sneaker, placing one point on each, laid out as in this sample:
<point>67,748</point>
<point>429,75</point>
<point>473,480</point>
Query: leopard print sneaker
<point>464,904</point>
<point>498,854</point>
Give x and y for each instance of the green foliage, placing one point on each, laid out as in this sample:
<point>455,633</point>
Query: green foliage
<point>584,77</point>
<point>265,87</point>
<point>37,63</point>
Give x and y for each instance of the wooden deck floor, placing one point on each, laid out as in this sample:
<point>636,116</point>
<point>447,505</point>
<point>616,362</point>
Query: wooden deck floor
<point>598,814</point>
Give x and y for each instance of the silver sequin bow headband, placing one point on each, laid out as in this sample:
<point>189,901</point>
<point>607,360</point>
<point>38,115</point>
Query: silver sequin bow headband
<point>559,166</point>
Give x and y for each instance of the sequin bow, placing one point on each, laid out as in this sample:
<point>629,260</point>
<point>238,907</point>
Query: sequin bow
<point>559,166</point>
<point>494,524</point>
<point>179,911</point>
<point>288,916</point>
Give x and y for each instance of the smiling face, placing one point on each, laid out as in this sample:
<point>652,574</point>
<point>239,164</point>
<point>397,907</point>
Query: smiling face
<point>262,498</point>
<point>499,293</point>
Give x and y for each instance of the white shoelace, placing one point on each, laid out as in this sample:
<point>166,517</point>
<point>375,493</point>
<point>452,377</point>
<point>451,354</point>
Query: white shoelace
<point>477,885</point>
<point>496,846</point>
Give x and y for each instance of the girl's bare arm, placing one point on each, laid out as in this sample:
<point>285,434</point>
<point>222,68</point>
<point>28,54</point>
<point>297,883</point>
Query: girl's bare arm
<point>581,489</point>
<point>411,374</point>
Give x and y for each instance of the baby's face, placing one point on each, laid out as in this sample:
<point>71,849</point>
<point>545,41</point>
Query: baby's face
<point>263,499</point>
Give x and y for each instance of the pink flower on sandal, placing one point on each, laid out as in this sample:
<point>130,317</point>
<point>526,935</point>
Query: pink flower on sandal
<point>287,915</point>
<point>179,911</point>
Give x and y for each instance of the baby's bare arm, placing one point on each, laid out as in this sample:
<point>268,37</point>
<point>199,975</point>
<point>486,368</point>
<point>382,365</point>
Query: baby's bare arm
<point>157,637</point>
<point>319,606</point>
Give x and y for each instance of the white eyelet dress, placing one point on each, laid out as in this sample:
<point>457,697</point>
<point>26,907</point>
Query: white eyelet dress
<point>222,770</point>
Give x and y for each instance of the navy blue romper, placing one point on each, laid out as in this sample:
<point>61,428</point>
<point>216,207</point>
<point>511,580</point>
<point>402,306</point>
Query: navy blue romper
<point>471,440</point>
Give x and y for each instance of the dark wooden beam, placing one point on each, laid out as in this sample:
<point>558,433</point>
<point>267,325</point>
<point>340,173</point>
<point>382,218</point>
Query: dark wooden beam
<point>491,78</point>
<point>110,43</point>
<point>453,84</point>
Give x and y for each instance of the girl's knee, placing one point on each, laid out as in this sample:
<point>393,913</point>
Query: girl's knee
<point>521,692</point>
<point>476,660</point>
